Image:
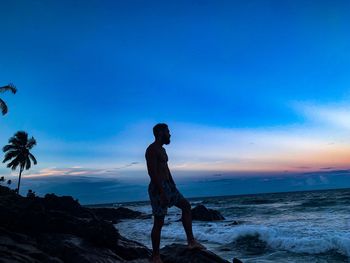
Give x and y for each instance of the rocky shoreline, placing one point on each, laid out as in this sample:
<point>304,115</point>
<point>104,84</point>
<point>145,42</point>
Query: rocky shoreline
<point>56,229</point>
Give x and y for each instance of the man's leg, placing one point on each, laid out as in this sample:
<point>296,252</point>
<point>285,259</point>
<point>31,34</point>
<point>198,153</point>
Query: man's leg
<point>185,206</point>
<point>155,235</point>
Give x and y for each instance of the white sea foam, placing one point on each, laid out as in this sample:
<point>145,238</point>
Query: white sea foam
<point>280,239</point>
<point>219,233</point>
<point>297,232</point>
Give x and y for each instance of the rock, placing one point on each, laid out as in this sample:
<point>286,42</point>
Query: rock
<point>64,203</point>
<point>233,223</point>
<point>73,249</point>
<point>19,248</point>
<point>236,260</point>
<point>58,229</point>
<point>139,261</point>
<point>130,250</point>
<point>116,214</point>
<point>145,216</point>
<point>251,245</point>
<point>201,213</point>
<point>47,216</point>
<point>176,253</point>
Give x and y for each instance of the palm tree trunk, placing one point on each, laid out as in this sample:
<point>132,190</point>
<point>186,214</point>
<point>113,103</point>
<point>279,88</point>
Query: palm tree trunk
<point>19,180</point>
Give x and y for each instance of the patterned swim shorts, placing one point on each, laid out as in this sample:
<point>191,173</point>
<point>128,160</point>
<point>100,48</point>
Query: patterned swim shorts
<point>173,195</point>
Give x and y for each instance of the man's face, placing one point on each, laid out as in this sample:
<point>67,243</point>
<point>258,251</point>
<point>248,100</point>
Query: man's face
<point>166,136</point>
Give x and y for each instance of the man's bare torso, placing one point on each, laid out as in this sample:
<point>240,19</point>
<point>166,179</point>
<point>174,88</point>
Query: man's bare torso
<point>157,155</point>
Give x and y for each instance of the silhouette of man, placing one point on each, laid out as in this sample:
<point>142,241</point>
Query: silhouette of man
<point>163,192</point>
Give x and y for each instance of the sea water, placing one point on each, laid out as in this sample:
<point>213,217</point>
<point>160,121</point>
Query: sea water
<point>298,227</point>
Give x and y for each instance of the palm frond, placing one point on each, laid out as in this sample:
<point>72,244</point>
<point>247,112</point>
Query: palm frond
<point>33,158</point>
<point>9,147</point>
<point>10,155</point>
<point>31,142</point>
<point>28,163</point>
<point>9,87</point>
<point>14,141</point>
<point>3,107</point>
<point>22,137</point>
<point>13,164</point>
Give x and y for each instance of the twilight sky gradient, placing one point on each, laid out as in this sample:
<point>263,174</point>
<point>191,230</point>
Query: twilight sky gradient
<point>256,93</point>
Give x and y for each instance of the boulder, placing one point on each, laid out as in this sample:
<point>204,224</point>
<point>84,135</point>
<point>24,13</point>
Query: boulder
<point>19,248</point>
<point>130,250</point>
<point>58,229</point>
<point>37,216</point>
<point>116,214</point>
<point>234,223</point>
<point>177,253</point>
<point>201,213</point>
<point>73,249</point>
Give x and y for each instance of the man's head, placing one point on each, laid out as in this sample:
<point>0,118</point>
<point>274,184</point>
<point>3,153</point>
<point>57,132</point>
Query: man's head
<point>161,133</point>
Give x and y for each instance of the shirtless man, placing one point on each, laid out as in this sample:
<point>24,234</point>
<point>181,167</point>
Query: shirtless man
<point>163,192</point>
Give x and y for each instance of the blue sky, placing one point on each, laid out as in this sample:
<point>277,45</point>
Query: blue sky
<point>247,87</point>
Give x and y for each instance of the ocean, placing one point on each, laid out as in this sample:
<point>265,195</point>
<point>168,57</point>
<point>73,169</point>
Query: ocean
<point>312,226</point>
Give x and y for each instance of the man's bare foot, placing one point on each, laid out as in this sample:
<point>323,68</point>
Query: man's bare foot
<point>194,244</point>
<point>156,259</point>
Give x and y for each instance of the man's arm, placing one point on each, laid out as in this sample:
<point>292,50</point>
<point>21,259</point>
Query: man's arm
<point>170,177</point>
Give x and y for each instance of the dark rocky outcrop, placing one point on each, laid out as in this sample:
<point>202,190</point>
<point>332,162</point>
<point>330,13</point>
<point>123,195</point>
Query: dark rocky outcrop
<point>71,249</point>
<point>15,247</point>
<point>59,230</point>
<point>176,253</point>
<point>59,227</point>
<point>201,213</point>
<point>116,214</point>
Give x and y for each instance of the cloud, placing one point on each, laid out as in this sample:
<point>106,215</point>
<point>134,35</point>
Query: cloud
<point>194,147</point>
<point>127,165</point>
<point>294,147</point>
<point>87,189</point>
<point>73,171</point>
<point>303,167</point>
<point>205,148</point>
<point>96,189</point>
<point>334,115</point>
<point>79,171</point>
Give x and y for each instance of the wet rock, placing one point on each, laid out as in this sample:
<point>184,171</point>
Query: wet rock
<point>234,223</point>
<point>130,250</point>
<point>116,214</point>
<point>177,253</point>
<point>250,245</point>
<point>201,213</point>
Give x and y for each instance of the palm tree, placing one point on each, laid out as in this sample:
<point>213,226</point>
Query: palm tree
<point>3,106</point>
<point>18,152</point>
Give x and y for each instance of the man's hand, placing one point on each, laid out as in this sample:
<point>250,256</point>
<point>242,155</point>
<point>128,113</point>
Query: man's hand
<point>164,201</point>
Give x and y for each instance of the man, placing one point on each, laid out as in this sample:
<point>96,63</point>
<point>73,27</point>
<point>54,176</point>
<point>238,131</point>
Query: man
<point>163,192</point>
